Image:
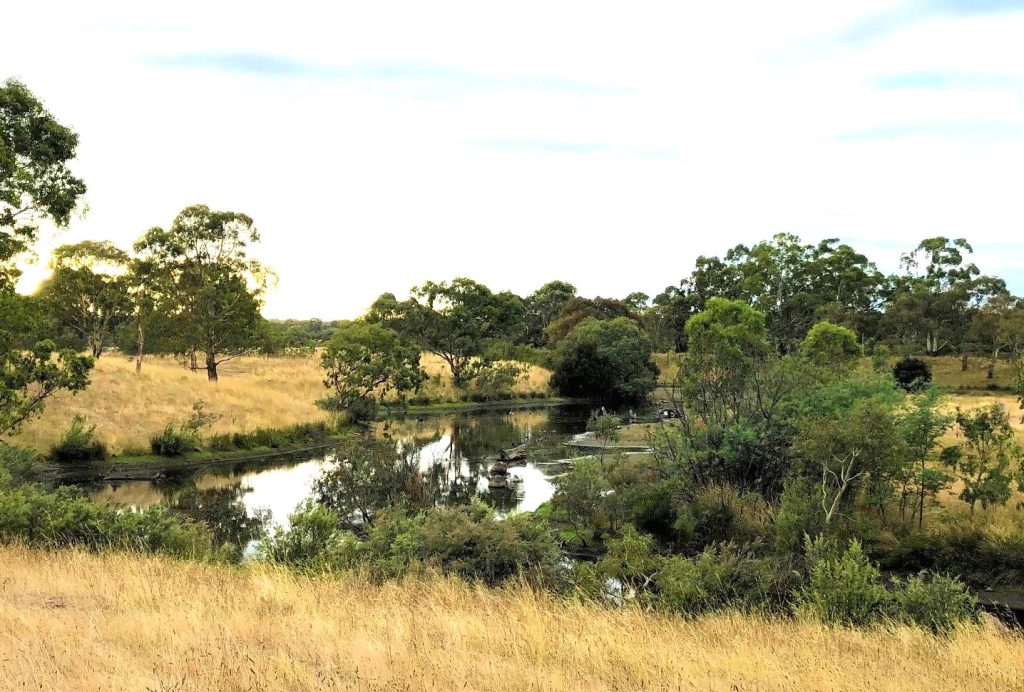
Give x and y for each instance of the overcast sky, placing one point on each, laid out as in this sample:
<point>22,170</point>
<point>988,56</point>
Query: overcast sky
<point>380,144</point>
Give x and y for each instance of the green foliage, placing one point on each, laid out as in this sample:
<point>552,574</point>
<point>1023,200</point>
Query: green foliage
<point>182,439</point>
<point>577,310</point>
<point>456,320</point>
<point>845,589</point>
<point>67,518</point>
<point>35,182</point>
<point>542,307</point>
<point>982,558</point>
<point>364,361</point>
<point>372,475</point>
<point>205,284</point>
<point>468,541</point>
<point>609,360</point>
<point>496,382</point>
<point>312,541</point>
<point>988,458</point>
<point>912,374</point>
<point>799,515</point>
<point>88,294</point>
<point>829,345</point>
<point>29,378</point>
<point>79,443</point>
<point>580,499</point>
<point>934,602</point>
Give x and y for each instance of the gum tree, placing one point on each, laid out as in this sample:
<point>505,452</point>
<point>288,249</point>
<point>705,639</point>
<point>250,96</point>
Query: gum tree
<point>36,186</point>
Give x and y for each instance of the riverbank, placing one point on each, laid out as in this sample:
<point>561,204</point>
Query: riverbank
<point>73,620</point>
<point>253,393</point>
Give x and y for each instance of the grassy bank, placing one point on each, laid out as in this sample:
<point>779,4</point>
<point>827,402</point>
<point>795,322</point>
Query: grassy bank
<point>72,620</point>
<point>252,393</point>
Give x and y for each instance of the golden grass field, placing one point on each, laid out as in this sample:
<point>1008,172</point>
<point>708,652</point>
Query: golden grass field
<point>77,621</point>
<point>253,392</point>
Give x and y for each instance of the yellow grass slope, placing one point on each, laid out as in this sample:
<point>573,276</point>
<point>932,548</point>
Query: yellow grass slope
<point>255,392</point>
<point>72,621</point>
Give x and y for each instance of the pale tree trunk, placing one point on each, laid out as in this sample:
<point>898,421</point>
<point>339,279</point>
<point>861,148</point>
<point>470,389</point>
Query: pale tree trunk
<point>843,479</point>
<point>140,344</point>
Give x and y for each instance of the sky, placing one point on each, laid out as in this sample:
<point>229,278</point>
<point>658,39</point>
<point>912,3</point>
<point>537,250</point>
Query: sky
<point>378,145</point>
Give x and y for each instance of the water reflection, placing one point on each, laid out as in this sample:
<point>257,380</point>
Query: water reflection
<point>452,451</point>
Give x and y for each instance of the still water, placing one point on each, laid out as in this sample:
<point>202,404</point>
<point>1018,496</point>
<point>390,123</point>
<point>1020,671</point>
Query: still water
<point>242,501</point>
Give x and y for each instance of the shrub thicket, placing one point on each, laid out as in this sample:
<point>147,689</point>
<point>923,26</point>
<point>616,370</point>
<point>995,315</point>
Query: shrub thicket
<point>79,443</point>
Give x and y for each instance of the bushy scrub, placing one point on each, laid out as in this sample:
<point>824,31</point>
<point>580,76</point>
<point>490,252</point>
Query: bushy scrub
<point>608,360</point>
<point>67,518</point>
<point>313,541</point>
<point>844,589</point>
<point>173,442</point>
<point>980,557</point>
<point>79,443</point>
<point>468,541</point>
<point>496,381</point>
<point>934,602</point>
<point>182,439</point>
<point>912,374</point>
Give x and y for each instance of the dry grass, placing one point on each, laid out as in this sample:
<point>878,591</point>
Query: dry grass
<point>128,409</point>
<point>73,621</point>
<point>946,372</point>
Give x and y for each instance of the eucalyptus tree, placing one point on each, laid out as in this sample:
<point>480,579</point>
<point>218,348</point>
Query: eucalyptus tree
<point>455,320</point>
<point>794,285</point>
<point>208,285</point>
<point>87,293</point>
<point>364,361</point>
<point>934,301</point>
<point>36,186</point>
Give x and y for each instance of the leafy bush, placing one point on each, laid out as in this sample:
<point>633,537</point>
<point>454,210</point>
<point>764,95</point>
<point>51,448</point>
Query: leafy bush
<point>845,589</point>
<point>79,443</point>
<point>496,381</point>
<point>467,541</point>
<point>66,518</point>
<point>313,541</point>
<point>981,558</point>
<point>177,440</point>
<point>362,409</point>
<point>934,602</point>
<point>608,360</point>
<point>912,374</point>
<point>173,442</point>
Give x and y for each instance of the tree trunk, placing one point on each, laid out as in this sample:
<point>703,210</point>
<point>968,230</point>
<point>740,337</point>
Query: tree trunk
<point>211,367</point>
<point>140,343</point>
<point>920,504</point>
<point>96,346</point>
<point>963,362</point>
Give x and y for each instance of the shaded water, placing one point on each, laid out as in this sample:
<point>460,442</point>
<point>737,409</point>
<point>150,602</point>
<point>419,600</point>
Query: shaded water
<point>239,502</point>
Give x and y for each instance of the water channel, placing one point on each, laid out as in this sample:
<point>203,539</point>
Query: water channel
<point>241,501</point>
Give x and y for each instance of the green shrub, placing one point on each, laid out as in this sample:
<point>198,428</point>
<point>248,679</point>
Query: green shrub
<point>935,602</point>
<point>313,541</point>
<point>363,410</point>
<point>980,558</point>
<point>845,590</point>
<point>173,442</point>
<point>912,374</point>
<point>66,518</point>
<point>79,443</point>
<point>221,443</point>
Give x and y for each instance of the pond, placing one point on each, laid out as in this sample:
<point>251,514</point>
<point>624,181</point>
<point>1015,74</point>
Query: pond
<point>241,501</point>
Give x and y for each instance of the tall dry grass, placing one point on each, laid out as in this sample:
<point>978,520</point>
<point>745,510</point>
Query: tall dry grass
<point>75,621</point>
<point>253,392</point>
